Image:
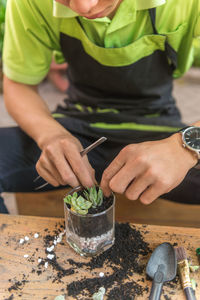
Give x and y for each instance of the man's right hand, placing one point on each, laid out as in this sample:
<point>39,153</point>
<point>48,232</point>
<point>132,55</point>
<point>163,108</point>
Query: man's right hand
<point>60,162</point>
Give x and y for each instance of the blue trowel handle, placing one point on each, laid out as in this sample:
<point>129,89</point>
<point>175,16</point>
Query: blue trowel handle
<point>157,284</point>
<point>190,294</point>
<point>156,291</point>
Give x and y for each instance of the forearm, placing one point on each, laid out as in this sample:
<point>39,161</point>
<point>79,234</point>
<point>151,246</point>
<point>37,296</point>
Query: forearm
<point>31,113</point>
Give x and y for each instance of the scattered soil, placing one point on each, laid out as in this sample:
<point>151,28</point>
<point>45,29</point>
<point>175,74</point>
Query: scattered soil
<point>123,259</point>
<point>3,226</point>
<point>10,298</point>
<point>18,285</point>
<point>126,259</point>
<point>166,297</point>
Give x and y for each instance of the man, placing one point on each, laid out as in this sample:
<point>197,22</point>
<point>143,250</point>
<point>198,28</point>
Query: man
<point>122,56</point>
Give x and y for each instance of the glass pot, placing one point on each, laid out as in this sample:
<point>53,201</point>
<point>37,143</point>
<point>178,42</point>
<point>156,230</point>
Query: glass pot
<point>90,234</point>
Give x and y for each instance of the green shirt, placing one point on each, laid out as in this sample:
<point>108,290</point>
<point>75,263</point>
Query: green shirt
<point>33,29</point>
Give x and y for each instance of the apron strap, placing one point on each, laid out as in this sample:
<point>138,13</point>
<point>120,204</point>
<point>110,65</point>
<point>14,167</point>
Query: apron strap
<point>170,52</point>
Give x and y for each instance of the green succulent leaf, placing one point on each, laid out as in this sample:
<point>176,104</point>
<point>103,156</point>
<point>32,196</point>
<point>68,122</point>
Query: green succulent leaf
<point>86,195</point>
<point>74,204</point>
<point>93,196</point>
<point>82,211</point>
<point>68,199</point>
<point>100,197</point>
<point>83,203</point>
<point>75,195</point>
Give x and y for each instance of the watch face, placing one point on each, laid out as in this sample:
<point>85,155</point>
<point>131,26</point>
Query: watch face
<point>192,138</point>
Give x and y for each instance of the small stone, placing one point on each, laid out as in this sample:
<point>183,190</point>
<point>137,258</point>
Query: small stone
<point>101,274</point>
<point>58,240</point>
<point>39,260</point>
<point>26,238</point>
<point>55,242</point>
<point>21,241</point>
<point>26,255</point>
<point>50,249</point>
<point>50,256</point>
<point>46,264</point>
<point>36,235</point>
<point>60,297</point>
<point>61,234</point>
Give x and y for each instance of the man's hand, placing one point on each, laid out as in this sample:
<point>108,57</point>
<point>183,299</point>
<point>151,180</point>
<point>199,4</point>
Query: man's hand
<point>55,75</point>
<point>60,162</point>
<point>148,170</point>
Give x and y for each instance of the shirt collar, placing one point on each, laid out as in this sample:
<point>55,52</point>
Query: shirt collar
<point>62,11</point>
<point>147,4</point>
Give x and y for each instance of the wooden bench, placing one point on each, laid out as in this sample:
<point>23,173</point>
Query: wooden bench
<point>160,212</point>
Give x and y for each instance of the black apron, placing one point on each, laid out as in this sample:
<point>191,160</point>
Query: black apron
<point>130,103</point>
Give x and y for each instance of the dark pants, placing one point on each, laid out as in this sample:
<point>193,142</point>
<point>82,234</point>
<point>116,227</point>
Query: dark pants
<point>19,154</point>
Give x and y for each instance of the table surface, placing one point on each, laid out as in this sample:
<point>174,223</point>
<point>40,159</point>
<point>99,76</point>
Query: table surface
<point>25,278</point>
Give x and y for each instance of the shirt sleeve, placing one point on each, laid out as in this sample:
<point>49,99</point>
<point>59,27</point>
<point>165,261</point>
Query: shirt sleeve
<point>31,36</point>
<point>197,28</point>
<point>197,23</point>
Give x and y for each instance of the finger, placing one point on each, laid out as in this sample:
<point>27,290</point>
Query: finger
<point>109,172</point>
<point>120,181</point>
<point>63,168</point>
<point>46,175</point>
<point>138,186</point>
<point>59,82</point>
<point>90,169</point>
<point>46,164</point>
<point>80,166</point>
<point>151,194</point>
<point>56,67</point>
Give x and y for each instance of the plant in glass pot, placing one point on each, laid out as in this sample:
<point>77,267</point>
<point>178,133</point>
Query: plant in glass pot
<point>90,220</point>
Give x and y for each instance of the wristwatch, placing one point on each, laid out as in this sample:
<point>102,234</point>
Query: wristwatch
<point>191,139</point>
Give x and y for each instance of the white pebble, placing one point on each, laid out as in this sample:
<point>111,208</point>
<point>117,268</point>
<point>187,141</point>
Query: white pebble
<point>58,240</point>
<point>62,233</point>
<point>55,242</point>
<point>21,241</point>
<point>46,264</point>
<point>26,255</point>
<point>50,256</point>
<point>26,238</point>
<point>50,249</point>
<point>36,235</point>
<point>101,274</point>
<point>61,297</point>
<point>39,260</point>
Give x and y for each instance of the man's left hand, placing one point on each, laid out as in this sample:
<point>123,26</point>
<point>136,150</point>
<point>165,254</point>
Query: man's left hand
<point>148,170</point>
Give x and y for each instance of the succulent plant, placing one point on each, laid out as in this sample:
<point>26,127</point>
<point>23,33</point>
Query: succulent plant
<point>81,204</point>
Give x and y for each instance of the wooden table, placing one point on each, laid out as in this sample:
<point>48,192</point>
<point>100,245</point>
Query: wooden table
<point>24,278</point>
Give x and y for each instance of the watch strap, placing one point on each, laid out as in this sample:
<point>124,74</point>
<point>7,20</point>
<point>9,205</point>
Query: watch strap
<point>184,128</point>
